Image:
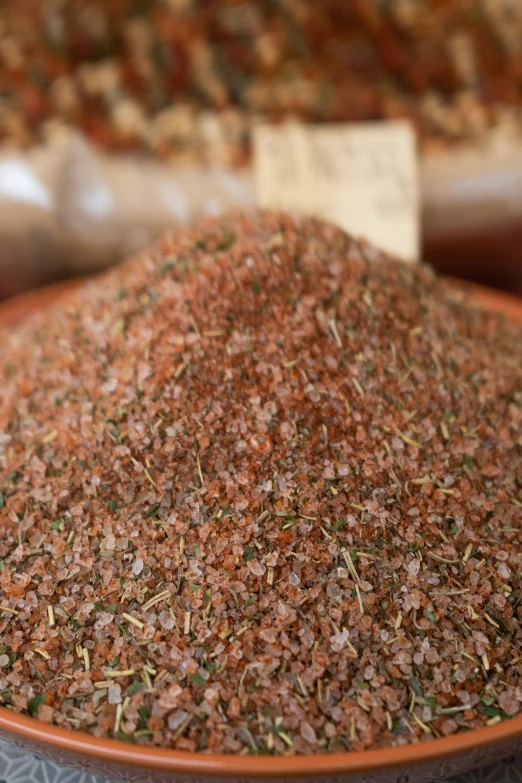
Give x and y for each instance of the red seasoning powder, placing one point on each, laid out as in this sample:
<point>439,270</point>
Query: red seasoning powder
<point>261,494</point>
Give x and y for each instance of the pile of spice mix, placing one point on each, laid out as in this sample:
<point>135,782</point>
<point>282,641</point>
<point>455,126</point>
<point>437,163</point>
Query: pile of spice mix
<point>189,77</point>
<point>261,493</point>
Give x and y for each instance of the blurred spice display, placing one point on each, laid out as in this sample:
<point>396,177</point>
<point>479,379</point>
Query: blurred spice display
<point>188,77</point>
<point>183,82</point>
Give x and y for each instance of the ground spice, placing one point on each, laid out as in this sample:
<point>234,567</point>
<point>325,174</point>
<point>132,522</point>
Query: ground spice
<point>261,493</point>
<point>188,78</point>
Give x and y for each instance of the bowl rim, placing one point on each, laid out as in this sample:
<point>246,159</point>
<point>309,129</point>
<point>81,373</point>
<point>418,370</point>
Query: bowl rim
<point>15,725</point>
<point>221,765</point>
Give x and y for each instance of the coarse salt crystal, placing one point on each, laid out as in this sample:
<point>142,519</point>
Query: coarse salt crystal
<point>414,567</point>
<point>176,719</point>
<point>308,733</point>
<point>137,566</point>
<point>339,640</point>
<point>256,568</point>
<point>114,694</point>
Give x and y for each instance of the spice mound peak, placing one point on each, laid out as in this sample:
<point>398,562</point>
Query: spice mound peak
<point>261,493</point>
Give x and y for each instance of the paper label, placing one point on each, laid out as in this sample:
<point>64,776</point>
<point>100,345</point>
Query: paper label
<point>363,177</point>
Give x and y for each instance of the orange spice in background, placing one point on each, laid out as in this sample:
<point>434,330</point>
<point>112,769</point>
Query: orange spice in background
<point>186,80</point>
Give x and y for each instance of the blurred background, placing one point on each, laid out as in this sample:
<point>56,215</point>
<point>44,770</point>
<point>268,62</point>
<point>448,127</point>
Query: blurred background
<point>120,118</point>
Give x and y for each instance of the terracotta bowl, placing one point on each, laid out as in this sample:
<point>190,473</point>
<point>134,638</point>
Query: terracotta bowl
<point>424,761</point>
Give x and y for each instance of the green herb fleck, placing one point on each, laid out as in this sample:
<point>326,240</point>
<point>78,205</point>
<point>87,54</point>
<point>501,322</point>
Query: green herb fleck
<point>144,714</point>
<point>36,703</point>
<point>491,712</point>
<point>227,242</point>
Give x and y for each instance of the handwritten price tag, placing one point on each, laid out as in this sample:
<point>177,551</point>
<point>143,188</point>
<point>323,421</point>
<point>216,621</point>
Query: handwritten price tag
<point>363,177</point>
